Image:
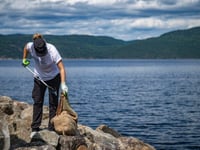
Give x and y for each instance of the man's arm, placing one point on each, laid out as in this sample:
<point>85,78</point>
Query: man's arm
<point>61,67</point>
<point>25,62</point>
<point>25,53</point>
<point>62,71</point>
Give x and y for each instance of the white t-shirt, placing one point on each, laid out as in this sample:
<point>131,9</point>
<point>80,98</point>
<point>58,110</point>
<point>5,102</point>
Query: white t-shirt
<point>45,67</point>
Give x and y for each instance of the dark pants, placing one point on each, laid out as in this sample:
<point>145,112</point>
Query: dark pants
<point>38,97</point>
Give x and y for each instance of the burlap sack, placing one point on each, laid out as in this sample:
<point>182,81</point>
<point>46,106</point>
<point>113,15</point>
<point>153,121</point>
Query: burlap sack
<point>64,124</point>
<point>65,121</point>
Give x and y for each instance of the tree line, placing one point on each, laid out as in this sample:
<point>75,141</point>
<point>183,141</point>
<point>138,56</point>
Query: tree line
<point>175,44</point>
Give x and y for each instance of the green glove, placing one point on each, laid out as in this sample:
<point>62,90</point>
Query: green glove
<point>25,62</point>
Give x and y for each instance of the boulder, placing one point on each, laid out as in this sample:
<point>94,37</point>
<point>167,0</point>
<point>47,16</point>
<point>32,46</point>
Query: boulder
<point>15,129</point>
<point>110,139</point>
<point>4,133</point>
<point>98,140</point>
<point>131,143</point>
<point>106,129</point>
<point>37,147</point>
<point>6,105</point>
<point>72,143</point>
<point>48,137</point>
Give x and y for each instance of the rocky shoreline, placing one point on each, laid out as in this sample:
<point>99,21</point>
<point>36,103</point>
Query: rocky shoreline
<point>15,121</point>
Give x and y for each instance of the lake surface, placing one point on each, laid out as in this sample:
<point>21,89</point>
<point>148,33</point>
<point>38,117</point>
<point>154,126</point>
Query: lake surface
<point>157,101</point>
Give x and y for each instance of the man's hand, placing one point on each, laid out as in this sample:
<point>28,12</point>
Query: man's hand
<point>64,88</point>
<point>25,62</point>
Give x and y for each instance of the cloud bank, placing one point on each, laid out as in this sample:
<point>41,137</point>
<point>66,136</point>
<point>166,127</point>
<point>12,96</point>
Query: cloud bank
<point>122,19</point>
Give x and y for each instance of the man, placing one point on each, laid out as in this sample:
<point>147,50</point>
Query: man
<point>50,68</point>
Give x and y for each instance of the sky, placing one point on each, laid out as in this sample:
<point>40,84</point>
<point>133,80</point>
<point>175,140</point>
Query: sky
<point>120,19</point>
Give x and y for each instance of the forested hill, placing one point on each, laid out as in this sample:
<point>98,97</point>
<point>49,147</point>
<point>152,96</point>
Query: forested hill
<point>176,44</point>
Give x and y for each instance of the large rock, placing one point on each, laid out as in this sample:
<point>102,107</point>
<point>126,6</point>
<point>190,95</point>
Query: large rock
<point>5,110</point>
<point>36,146</point>
<point>15,122</point>
<point>6,105</point>
<point>72,143</point>
<point>106,129</point>
<point>105,138</point>
<point>48,137</point>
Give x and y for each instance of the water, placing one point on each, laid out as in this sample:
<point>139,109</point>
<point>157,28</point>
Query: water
<point>157,101</point>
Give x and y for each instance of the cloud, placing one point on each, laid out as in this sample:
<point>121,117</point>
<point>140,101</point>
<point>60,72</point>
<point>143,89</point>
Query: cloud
<point>123,19</point>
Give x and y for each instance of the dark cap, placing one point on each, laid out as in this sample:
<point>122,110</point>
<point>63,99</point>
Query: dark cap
<point>40,47</point>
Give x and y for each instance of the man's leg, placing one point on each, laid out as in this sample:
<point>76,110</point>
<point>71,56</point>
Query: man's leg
<point>38,97</point>
<point>53,99</point>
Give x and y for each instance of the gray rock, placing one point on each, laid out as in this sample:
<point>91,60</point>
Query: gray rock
<point>71,142</point>
<point>131,143</point>
<point>6,105</point>
<point>43,147</point>
<point>49,137</point>
<point>4,133</point>
<point>106,129</point>
<point>98,140</point>
<point>6,108</point>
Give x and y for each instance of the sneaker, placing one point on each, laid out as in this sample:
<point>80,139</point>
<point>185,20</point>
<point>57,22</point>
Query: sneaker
<point>34,132</point>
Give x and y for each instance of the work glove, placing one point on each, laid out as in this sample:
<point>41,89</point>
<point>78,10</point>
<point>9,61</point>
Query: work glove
<point>25,62</point>
<point>64,88</point>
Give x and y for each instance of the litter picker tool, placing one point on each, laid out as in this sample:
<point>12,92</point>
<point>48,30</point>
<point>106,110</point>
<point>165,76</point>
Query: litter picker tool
<point>51,89</point>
